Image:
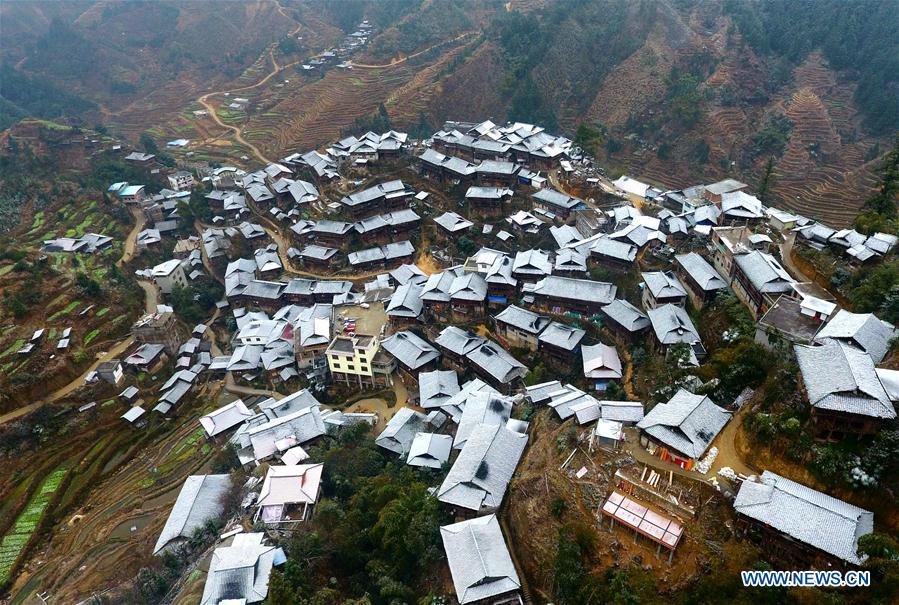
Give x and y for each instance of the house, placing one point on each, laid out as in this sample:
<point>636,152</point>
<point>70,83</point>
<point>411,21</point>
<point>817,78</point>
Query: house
<point>631,186</point>
<point>269,437</point>
<point>727,243</point>
<point>169,275</point>
<point>519,328</point>
<point>412,352</point>
<point>487,200</point>
<point>331,233</point>
<point>405,305</point>
<point>570,263</point>
<point>318,258</point>
<point>436,388</point>
<point>601,365</point>
<point>377,199</point>
<point>181,180</point>
<point>759,280</point>
<point>738,207</point>
<point>135,417</point>
<point>430,450</point>
<point>479,477</point>
<point>801,526</point>
<point>662,288</point>
<point>556,202</point>
<point>846,396</point>
<point>496,366</point>
<point>863,331</point>
<point>558,344</point>
<point>497,173</point>
<point>145,357</point>
<point>289,493</point>
<point>567,295</point>
<point>785,321</point>
<point>781,220</point>
<point>671,325</point>
<point>452,224</point>
<point>239,573</point>
<point>199,501</point>
<point>531,266</point>
<point>225,418</point>
<point>467,292</point>
<point>401,430</point>
<point>434,164</point>
<point>455,344</point>
<point>482,569</point>
<point>111,371</point>
<point>435,293</point>
<point>715,191</point>
<point>358,360</point>
<point>481,407</point>
<point>682,429</point>
<point>625,319</point>
<point>609,251</point>
<point>701,280</point>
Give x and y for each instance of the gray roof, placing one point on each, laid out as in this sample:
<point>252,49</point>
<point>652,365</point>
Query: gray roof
<point>410,349</point>
<point>862,330</point>
<point>497,362</point>
<point>398,249</point>
<point>807,515</point>
<point>199,501</point>
<point>430,450</point>
<point>842,378</point>
<point>318,252</point>
<point>621,411</point>
<point>453,222</point>
<point>687,423</point>
<point>605,246</point>
<point>562,336</point>
<point>626,315</point>
<point>663,284</point>
<point>401,429</point>
<point>601,361</point>
<point>482,407</point>
<point>487,193</point>
<point>478,559</point>
<point>406,301</point>
<point>468,286</point>
<point>576,289</point>
<point>387,189</point>
<point>332,227</point>
<point>451,163</point>
<point>405,274</point>
<point>482,471</point>
<point>369,255</point>
<point>296,428</point>
<point>532,262</point>
<point>436,388</point>
<point>701,271</point>
<point>458,341</point>
<point>497,167</point>
<point>764,272</point>
<point>523,319</point>
<point>240,572</point>
<point>672,324</point>
<point>295,402</point>
<point>556,198</point>
<point>568,259</point>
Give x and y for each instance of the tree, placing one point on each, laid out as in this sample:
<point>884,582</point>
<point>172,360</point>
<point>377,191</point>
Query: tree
<point>147,142</point>
<point>767,180</point>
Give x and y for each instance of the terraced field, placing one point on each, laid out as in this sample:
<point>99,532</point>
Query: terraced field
<point>17,538</point>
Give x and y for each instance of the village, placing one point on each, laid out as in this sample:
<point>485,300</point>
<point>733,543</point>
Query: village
<point>440,293</point>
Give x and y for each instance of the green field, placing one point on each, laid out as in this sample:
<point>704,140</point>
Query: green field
<point>17,538</point>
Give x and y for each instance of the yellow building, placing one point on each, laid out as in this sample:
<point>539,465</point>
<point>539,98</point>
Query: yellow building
<point>359,359</point>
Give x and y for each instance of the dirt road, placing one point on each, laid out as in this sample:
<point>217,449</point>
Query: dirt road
<point>786,251</point>
<point>402,60</point>
<point>131,241</point>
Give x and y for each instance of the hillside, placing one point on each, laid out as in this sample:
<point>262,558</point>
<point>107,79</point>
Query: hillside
<point>682,92</point>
